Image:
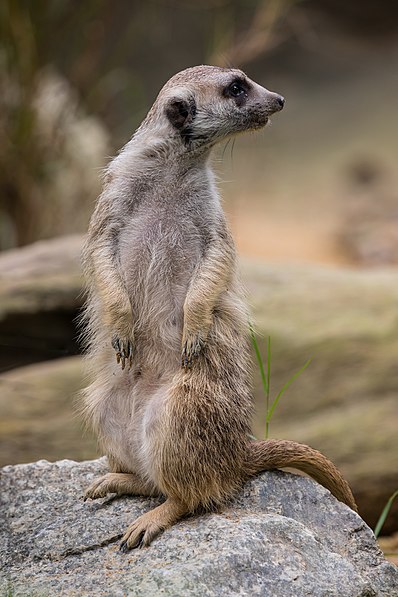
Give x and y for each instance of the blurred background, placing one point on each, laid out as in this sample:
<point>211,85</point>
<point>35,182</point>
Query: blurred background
<point>312,203</point>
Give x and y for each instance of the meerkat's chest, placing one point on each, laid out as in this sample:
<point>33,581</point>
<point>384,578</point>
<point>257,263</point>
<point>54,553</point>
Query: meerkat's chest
<point>161,234</point>
<point>159,254</point>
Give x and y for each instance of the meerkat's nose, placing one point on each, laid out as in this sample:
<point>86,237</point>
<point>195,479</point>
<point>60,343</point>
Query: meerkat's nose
<point>280,100</point>
<point>275,101</point>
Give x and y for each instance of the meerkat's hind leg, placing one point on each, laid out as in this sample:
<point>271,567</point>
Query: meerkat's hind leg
<point>120,483</point>
<point>149,525</point>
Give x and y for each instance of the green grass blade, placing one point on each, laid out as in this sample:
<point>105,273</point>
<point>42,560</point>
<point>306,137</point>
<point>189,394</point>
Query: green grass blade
<point>268,369</point>
<point>268,386</point>
<point>384,514</point>
<point>283,390</point>
<point>259,360</point>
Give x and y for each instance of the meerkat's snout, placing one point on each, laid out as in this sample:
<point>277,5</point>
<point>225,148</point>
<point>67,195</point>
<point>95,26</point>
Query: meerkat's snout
<point>279,102</point>
<point>274,102</point>
<point>262,104</point>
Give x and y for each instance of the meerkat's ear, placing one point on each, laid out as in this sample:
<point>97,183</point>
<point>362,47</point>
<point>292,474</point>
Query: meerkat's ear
<point>180,112</point>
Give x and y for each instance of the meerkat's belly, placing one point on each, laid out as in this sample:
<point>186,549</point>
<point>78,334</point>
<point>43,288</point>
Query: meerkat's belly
<point>157,262</point>
<point>127,416</point>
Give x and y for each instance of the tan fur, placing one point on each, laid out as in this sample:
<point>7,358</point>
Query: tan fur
<point>172,411</point>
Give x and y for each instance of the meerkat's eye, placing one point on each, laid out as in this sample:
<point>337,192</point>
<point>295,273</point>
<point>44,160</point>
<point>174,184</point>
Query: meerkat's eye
<point>236,89</point>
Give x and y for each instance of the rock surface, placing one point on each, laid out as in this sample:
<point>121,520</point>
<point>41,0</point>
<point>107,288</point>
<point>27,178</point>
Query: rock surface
<point>283,536</point>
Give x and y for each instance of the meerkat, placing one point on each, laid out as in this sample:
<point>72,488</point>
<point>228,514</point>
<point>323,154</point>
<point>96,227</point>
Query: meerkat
<point>166,321</point>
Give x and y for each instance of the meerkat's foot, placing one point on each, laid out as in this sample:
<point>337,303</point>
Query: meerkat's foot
<point>124,350</point>
<point>148,526</point>
<point>191,349</point>
<point>120,483</point>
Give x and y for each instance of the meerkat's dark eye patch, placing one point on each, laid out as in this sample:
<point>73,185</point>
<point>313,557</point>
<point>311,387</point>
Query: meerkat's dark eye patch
<point>238,90</point>
<point>180,112</point>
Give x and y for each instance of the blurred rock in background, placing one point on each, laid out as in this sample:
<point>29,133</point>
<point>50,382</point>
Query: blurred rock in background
<point>369,231</point>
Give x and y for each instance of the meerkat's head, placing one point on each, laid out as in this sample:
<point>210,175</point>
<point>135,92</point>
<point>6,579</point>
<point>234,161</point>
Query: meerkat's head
<point>205,104</point>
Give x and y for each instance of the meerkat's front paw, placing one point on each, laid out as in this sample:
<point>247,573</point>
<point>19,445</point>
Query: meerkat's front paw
<point>192,347</point>
<point>123,348</point>
<point>119,322</point>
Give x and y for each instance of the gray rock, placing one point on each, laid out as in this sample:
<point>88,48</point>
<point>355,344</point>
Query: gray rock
<point>283,536</point>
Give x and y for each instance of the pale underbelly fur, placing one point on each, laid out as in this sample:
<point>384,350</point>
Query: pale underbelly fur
<point>131,403</point>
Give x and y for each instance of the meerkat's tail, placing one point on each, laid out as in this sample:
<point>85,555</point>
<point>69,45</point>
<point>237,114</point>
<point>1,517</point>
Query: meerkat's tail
<point>269,454</point>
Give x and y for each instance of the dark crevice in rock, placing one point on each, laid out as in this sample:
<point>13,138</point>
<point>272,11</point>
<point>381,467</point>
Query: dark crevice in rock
<point>27,338</point>
<point>81,549</point>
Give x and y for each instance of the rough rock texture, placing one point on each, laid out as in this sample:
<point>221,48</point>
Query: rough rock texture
<point>283,536</point>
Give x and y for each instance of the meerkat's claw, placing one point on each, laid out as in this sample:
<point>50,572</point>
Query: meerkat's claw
<point>123,547</point>
<point>127,354</point>
<point>186,359</point>
<point>139,543</point>
<point>191,350</point>
<point>116,348</point>
<point>124,351</point>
